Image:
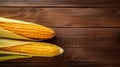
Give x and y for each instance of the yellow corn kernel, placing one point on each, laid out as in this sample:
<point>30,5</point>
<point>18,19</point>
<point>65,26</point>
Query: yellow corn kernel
<point>43,49</point>
<point>32,31</point>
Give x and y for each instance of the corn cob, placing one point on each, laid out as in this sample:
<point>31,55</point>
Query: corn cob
<point>27,30</point>
<point>36,49</point>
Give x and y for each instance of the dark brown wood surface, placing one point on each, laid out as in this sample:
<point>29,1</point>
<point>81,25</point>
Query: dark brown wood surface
<point>60,3</point>
<point>88,30</point>
<point>66,17</point>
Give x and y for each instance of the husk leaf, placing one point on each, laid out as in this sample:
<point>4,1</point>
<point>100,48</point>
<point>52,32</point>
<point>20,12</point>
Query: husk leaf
<point>9,52</point>
<point>12,56</point>
<point>13,21</point>
<point>7,34</point>
<point>8,42</point>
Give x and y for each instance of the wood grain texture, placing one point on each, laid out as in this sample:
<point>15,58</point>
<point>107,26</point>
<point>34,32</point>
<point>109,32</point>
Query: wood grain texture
<point>71,64</point>
<point>66,17</point>
<point>86,37</point>
<point>60,3</point>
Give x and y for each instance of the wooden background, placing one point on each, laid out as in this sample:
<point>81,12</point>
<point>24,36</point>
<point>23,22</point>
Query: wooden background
<point>88,30</point>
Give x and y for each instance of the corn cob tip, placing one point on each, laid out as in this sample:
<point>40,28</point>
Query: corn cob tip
<point>52,33</point>
<point>60,50</point>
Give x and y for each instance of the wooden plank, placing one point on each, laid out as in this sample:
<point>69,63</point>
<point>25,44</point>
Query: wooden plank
<point>59,3</point>
<point>66,17</point>
<point>86,37</point>
<point>83,55</point>
<point>57,65</point>
<point>7,12</point>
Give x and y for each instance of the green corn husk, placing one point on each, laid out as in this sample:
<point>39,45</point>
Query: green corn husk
<point>4,33</point>
<point>12,56</point>
<point>13,21</point>
<point>8,34</point>
<point>10,43</point>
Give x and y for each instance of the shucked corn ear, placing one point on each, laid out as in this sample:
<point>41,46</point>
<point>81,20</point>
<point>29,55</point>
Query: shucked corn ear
<point>30,48</point>
<point>17,29</point>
